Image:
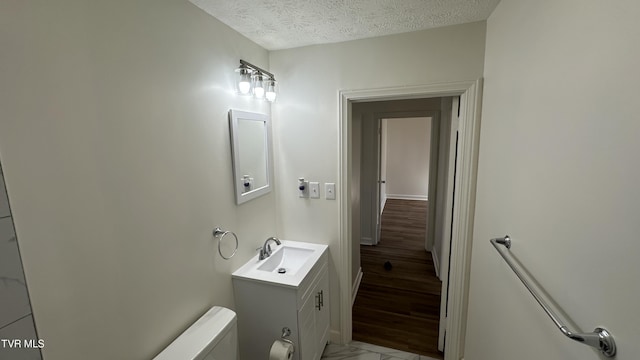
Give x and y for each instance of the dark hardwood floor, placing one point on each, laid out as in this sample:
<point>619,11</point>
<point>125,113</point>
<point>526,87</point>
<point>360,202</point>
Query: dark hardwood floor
<point>399,308</point>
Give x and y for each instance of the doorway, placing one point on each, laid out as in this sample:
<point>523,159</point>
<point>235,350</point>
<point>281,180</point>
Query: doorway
<point>400,147</point>
<point>462,217</point>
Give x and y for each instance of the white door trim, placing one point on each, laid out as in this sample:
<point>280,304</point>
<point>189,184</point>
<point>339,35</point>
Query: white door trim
<point>470,92</point>
<point>445,250</point>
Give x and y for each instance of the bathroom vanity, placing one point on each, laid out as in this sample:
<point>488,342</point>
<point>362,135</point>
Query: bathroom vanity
<point>289,289</point>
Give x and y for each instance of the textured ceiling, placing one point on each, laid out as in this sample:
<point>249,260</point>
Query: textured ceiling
<point>282,24</point>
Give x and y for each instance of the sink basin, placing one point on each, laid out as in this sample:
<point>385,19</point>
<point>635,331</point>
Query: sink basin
<point>287,266</point>
<point>287,260</point>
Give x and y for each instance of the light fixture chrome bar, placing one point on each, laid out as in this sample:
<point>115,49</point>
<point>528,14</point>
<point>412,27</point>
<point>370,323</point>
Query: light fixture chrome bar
<point>256,68</point>
<point>600,338</point>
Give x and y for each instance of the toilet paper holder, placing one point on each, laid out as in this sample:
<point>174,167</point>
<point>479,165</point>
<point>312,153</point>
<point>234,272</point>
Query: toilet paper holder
<point>286,332</point>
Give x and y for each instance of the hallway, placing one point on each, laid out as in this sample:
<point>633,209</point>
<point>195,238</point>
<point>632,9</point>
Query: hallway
<point>399,308</point>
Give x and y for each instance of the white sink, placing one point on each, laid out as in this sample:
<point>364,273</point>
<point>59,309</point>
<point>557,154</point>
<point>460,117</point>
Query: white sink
<point>288,264</point>
<point>287,260</point>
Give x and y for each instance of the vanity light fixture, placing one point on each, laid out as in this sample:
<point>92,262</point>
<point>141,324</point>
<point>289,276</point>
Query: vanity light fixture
<point>256,81</point>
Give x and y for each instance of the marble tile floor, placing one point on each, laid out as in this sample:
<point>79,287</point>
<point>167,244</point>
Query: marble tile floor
<point>362,351</point>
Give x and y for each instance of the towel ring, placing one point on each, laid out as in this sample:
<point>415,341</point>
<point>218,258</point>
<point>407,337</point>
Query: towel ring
<point>220,234</point>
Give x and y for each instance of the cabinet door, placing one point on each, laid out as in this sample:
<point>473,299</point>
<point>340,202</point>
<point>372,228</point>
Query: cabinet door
<point>307,337</point>
<point>322,312</point>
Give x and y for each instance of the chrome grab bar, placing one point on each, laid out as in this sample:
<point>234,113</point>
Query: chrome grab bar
<point>600,338</point>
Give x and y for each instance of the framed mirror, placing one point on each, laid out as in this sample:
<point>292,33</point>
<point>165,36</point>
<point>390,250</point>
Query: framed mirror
<point>251,153</point>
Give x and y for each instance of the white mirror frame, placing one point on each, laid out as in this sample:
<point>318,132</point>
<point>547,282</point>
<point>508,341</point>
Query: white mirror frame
<point>234,116</point>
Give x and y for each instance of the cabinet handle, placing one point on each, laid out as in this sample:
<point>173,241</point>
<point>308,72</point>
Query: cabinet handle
<point>318,303</point>
<point>321,298</point>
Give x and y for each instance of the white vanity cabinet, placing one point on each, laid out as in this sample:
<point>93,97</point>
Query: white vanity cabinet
<point>264,307</point>
<point>313,318</point>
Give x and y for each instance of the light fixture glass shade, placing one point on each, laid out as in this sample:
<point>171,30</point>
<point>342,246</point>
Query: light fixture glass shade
<point>258,85</point>
<point>244,79</point>
<point>270,93</point>
<point>244,86</point>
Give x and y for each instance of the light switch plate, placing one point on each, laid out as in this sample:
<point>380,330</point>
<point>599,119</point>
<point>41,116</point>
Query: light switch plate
<point>330,191</point>
<point>314,190</point>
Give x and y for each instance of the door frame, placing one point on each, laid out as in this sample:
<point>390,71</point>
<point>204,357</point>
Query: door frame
<point>470,106</point>
<point>445,250</point>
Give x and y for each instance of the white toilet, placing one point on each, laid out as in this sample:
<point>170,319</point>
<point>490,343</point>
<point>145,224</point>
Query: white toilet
<point>213,337</point>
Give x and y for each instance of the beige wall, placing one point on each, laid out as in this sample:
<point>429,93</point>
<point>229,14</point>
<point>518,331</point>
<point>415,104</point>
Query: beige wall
<point>408,148</point>
<point>115,147</point>
<point>557,171</point>
<point>305,117</point>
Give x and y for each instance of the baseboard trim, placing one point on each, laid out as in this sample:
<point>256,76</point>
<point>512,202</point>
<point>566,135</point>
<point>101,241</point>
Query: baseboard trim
<point>436,263</point>
<point>407,197</point>
<point>334,337</point>
<point>356,286</point>
<point>366,241</point>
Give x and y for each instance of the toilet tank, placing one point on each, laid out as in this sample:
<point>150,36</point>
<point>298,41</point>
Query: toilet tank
<point>213,337</point>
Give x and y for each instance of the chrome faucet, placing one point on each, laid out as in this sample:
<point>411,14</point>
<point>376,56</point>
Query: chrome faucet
<point>265,250</point>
